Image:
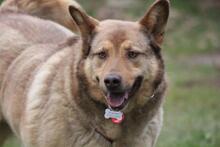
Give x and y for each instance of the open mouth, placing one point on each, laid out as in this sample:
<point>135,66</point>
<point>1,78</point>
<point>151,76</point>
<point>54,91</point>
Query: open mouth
<point>118,100</point>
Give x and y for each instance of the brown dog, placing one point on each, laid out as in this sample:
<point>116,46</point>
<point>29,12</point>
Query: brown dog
<point>104,89</point>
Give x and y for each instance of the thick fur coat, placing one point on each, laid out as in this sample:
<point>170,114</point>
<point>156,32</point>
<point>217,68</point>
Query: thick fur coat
<point>53,89</point>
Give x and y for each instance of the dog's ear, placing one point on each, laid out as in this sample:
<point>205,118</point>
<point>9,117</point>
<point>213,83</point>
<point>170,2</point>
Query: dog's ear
<point>86,25</point>
<point>155,20</point>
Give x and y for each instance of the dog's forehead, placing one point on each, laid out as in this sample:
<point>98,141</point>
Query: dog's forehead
<point>119,23</point>
<point>117,32</point>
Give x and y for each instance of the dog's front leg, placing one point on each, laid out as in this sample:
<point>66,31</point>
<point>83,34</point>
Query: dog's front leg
<point>65,136</point>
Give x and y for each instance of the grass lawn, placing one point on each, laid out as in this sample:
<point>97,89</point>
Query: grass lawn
<point>192,53</point>
<point>192,108</point>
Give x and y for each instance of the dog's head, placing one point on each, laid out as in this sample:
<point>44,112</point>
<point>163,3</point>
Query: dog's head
<point>122,60</point>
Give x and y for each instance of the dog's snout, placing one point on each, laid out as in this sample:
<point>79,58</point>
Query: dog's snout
<point>112,82</point>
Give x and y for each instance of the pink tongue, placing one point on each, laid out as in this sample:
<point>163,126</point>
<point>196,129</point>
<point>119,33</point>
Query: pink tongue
<point>116,101</point>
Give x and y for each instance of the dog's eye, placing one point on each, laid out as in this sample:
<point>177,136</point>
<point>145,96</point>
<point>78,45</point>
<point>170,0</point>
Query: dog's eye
<point>132,54</point>
<point>102,55</point>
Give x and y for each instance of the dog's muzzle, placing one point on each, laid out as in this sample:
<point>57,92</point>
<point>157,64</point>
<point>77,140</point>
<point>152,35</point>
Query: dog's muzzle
<point>117,97</point>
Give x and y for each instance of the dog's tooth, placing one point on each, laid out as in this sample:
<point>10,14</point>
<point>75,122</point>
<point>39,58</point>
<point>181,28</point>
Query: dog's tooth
<point>108,95</point>
<point>126,95</point>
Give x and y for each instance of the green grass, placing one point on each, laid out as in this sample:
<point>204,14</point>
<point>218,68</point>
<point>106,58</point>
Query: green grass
<point>191,110</point>
<point>12,142</point>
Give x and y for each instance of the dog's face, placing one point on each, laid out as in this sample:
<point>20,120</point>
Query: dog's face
<point>122,59</point>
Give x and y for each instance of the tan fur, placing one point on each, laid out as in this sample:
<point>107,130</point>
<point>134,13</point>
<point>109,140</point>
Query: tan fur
<point>55,10</point>
<point>49,92</point>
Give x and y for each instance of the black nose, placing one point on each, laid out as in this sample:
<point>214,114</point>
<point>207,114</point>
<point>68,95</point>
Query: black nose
<point>112,82</point>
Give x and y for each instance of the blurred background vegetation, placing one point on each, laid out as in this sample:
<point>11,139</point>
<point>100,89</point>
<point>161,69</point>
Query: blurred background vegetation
<point>192,54</point>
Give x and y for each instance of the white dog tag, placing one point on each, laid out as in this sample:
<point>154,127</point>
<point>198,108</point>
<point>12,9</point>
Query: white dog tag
<point>113,114</point>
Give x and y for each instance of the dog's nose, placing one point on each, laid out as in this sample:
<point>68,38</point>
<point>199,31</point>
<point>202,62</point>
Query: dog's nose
<point>112,82</point>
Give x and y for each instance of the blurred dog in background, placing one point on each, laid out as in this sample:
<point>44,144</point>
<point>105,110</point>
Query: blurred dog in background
<point>55,10</point>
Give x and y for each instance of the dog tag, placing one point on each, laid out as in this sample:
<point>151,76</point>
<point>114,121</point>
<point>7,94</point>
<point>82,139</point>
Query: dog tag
<point>116,116</point>
<point>118,121</point>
